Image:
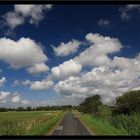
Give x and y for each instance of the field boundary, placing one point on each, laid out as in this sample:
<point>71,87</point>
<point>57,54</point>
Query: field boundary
<point>54,127</point>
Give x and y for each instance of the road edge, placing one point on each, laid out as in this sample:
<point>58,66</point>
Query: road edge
<point>90,131</point>
<point>54,127</point>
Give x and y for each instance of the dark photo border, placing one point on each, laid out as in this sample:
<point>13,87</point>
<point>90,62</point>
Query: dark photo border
<point>71,2</point>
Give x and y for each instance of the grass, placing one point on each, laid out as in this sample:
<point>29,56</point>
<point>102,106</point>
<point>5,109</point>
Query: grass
<point>28,123</point>
<point>131,123</point>
<point>100,126</point>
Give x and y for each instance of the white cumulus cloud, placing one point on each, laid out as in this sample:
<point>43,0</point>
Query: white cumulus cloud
<point>12,20</point>
<point>65,49</point>
<point>3,96</point>
<point>68,68</point>
<point>22,13</point>
<point>41,85</point>
<point>21,53</point>
<point>16,98</point>
<point>97,53</point>
<point>38,68</point>
<point>109,77</point>
<point>102,80</point>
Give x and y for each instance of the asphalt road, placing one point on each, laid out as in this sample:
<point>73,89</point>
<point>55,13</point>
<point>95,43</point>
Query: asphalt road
<point>70,125</point>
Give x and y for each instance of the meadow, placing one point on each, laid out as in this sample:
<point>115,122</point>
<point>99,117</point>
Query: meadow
<point>29,122</point>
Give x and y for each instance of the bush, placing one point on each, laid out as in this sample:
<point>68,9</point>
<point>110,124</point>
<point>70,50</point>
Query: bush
<point>131,123</point>
<point>104,112</point>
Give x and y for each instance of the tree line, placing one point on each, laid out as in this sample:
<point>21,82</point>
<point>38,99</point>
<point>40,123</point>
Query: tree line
<point>38,108</point>
<point>127,104</point>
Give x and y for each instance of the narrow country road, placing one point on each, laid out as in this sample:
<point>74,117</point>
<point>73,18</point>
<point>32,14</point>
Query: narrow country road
<point>70,125</point>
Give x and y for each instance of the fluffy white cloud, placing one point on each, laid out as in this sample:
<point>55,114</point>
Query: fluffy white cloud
<point>2,81</point>
<point>67,48</point>
<point>97,53</point>
<point>70,86</point>
<point>25,102</point>
<point>13,19</point>
<point>34,12</point>
<point>126,63</point>
<point>109,82</point>
<point>31,13</point>
<point>3,96</point>
<point>16,98</point>
<point>35,85</point>
<point>103,22</point>
<point>41,85</point>
<point>21,53</point>
<point>38,68</point>
<point>68,68</point>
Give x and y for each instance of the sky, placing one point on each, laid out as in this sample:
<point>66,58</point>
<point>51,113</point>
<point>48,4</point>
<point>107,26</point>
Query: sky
<point>61,54</point>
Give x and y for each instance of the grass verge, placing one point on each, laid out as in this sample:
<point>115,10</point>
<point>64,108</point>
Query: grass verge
<point>100,126</point>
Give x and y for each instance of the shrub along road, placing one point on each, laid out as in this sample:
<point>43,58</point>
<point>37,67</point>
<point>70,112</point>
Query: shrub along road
<point>70,125</point>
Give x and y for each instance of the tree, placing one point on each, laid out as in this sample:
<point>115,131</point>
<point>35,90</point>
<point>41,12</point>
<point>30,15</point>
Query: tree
<point>128,103</point>
<point>90,105</point>
<point>2,109</point>
<point>20,109</point>
<point>28,108</point>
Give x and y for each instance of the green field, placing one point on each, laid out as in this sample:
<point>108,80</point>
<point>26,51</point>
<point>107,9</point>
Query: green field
<point>29,122</point>
<point>121,125</point>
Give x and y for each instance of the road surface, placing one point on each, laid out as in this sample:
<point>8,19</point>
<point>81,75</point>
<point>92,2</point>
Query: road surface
<point>70,125</point>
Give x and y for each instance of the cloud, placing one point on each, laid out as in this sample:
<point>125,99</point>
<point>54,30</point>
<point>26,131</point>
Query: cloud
<point>65,49</point>
<point>63,100</point>
<point>38,68</point>
<point>68,68</point>
<point>22,13</point>
<point>125,12</point>
<point>103,22</point>
<point>3,96</point>
<point>8,99</point>
<point>13,20</point>
<point>97,53</point>
<point>21,53</point>
<point>102,80</point>
<point>2,81</point>
<point>109,77</point>
<point>34,12</point>
<point>35,85</point>
<point>16,83</point>
<point>41,85</point>
<point>20,82</point>
<point>25,102</point>
<point>18,100</point>
<point>70,86</point>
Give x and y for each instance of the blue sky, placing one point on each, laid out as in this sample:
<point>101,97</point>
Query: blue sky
<point>61,54</point>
